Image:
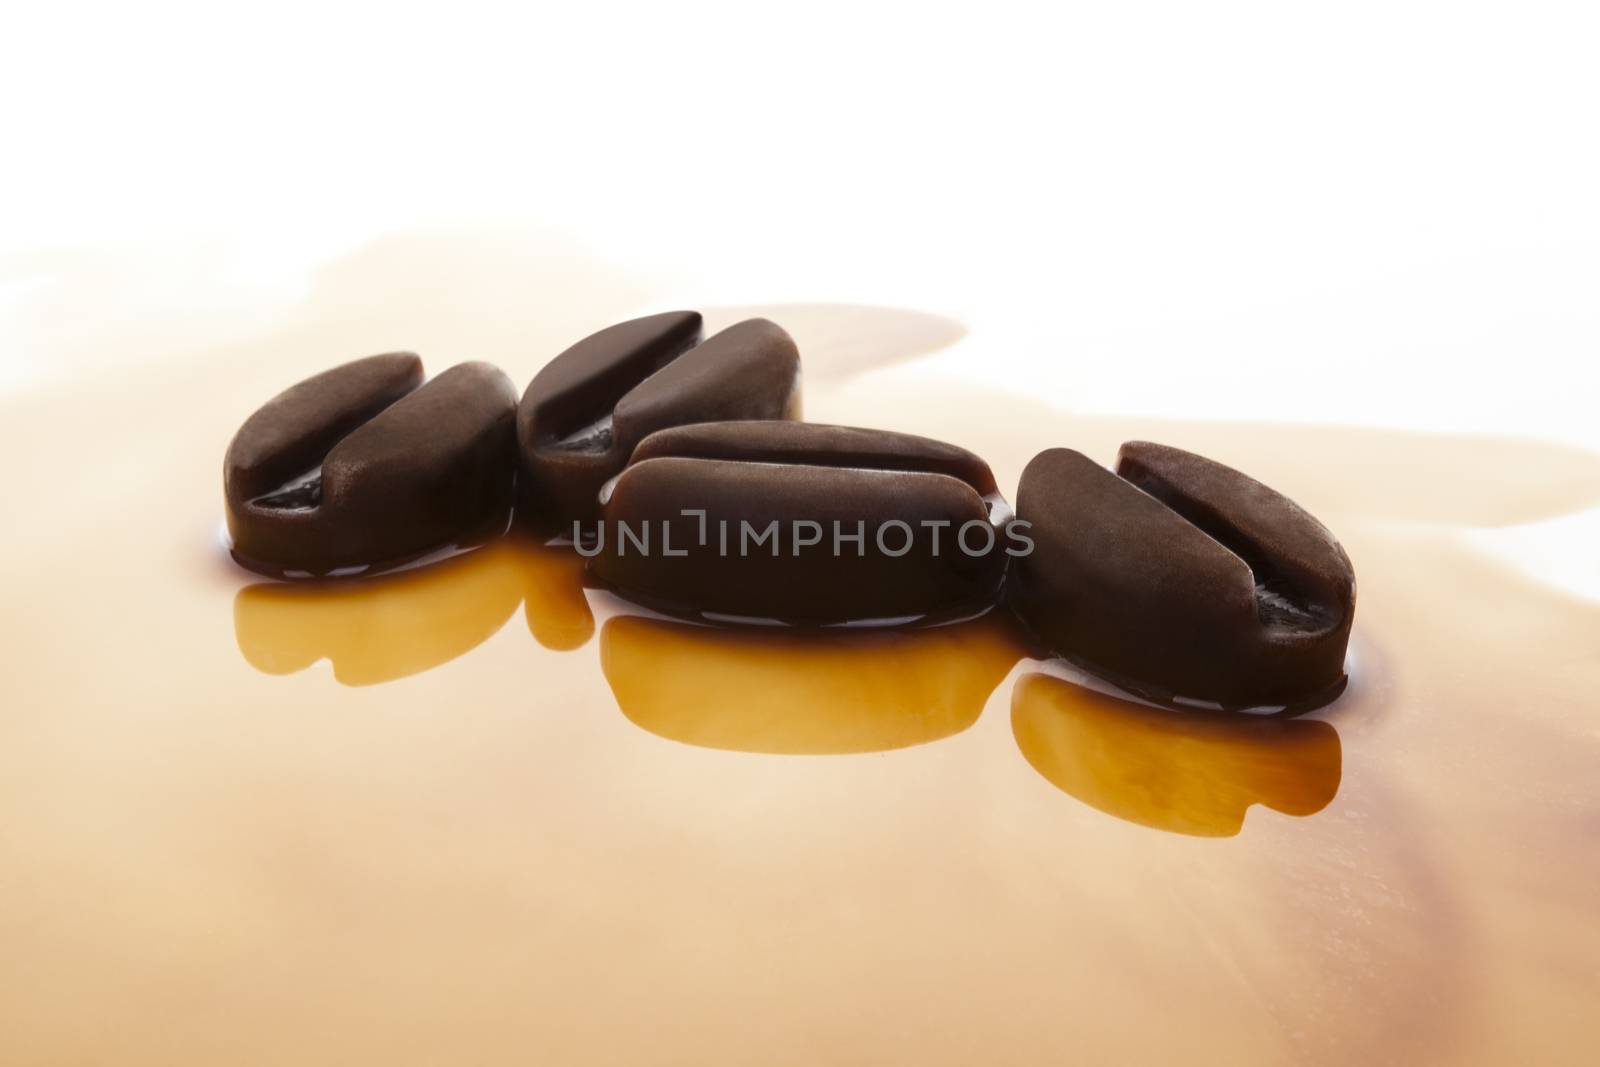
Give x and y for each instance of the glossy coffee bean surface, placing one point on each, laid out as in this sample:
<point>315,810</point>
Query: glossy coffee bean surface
<point>585,411</point>
<point>1182,579</point>
<point>816,444</point>
<point>363,467</point>
<point>862,525</point>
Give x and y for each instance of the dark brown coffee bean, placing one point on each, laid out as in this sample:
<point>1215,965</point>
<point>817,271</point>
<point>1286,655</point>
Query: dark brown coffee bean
<point>359,469</point>
<point>801,523</point>
<point>584,412</point>
<point>809,443</point>
<point>1182,579</point>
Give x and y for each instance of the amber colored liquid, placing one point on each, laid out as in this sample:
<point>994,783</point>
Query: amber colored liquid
<point>400,821</point>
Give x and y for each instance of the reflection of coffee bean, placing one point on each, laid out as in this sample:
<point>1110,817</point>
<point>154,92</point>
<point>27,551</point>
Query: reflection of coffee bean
<point>586,410</point>
<point>802,522</point>
<point>362,467</point>
<point>383,628</point>
<point>1186,772</point>
<point>836,690</point>
<point>1180,578</point>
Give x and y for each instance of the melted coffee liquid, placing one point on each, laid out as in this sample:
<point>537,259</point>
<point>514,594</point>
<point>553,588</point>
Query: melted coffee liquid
<point>472,812</point>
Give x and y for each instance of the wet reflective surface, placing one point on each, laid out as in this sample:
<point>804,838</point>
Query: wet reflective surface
<point>385,627</point>
<point>1188,772</point>
<point>815,693</point>
<point>402,821</point>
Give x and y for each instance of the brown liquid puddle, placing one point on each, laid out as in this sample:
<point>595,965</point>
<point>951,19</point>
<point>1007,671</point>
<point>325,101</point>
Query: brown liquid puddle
<point>398,821</point>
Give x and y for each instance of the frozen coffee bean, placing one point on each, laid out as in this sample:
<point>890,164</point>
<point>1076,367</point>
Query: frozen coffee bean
<point>800,523</point>
<point>585,411</point>
<point>363,467</point>
<point>1182,580</point>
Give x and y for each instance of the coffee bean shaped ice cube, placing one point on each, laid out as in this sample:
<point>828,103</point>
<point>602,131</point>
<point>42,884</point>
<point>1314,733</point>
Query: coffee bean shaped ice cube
<point>801,523</point>
<point>1182,579</point>
<point>585,411</point>
<point>363,467</point>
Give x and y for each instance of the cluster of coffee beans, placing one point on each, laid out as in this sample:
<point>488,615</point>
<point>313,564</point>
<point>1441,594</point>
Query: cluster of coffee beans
<point>675,465</point>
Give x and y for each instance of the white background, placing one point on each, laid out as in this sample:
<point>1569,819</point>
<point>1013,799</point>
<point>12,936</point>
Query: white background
<point>1351,213</point>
